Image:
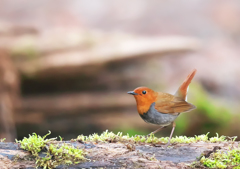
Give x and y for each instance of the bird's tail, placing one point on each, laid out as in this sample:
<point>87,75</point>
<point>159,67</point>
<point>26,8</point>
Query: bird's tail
<point>182,90</point>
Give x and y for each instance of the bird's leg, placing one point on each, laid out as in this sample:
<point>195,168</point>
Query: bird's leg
<point>157,130</point>
<point>173,128</point>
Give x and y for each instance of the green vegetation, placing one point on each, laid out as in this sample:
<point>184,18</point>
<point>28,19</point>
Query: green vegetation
<point>63,154</point>
<point>49,153</point>
<point>111,137</point>
<point>56,153</point>
<point>221,159</point>
<point>25,50</point>
<point>219,139</point>
<point>2,139</point>
<point>215,115</point>
<point>35,143</point>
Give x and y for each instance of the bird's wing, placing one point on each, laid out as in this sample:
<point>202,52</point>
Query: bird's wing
<point>167,103</point>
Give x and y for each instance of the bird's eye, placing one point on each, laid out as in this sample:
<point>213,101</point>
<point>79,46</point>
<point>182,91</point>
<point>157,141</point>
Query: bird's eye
<point>144,92</point>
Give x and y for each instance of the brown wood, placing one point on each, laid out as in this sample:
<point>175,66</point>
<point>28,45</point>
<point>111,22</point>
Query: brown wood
<point>105,52</point>
<point>9,90</point>
<point>121,155</point>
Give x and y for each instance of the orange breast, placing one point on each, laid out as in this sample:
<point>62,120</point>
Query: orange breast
<point>144,102</point>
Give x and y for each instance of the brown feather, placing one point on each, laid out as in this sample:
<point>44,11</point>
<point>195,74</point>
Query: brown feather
<point>167,103</point>
<point>182,90</point>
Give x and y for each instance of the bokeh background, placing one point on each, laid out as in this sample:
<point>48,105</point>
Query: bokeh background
<point>66,66</point>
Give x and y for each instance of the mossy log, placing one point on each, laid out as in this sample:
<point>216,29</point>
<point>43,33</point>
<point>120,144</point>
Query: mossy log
<point>119,155</point>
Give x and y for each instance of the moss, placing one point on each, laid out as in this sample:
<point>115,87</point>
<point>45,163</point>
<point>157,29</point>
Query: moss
<point>111,137</point>
<point>26,49</point>
<point>153,158</point>
<point>56,154</point>
<point>60,154</point>
<point>2,139</point>
<point>34,143</point>
<point>221,159</point>
<point>217,139</point>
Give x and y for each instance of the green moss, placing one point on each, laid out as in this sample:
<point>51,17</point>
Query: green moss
<point>63,154</point>
<point>153,139</point>
<point>35,143</point>
<point>217,139</point>
<point>56,154</point>
<point>221,159</point>
<point>111,137</point>
<point>203,137</point>
<point>153,158</point>
<point>25,50</point>
<point>2,139</point>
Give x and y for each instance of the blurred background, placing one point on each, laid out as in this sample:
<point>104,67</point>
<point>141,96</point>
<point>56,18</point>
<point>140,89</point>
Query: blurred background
<point>67,66</point>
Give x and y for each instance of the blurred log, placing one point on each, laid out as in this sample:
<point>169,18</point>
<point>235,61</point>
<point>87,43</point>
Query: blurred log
<point>72,112</point>
<point>75,60</point>
<point>58,52</point>
<point>9,90</point>
<point>72,102</point>
<point>69,114</point>
<point>40,52</point>
<point>11,30</point>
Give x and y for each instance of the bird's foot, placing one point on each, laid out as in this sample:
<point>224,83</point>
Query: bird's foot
<point>166,145</point>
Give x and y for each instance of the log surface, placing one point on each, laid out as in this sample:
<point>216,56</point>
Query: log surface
<point>117,155</point>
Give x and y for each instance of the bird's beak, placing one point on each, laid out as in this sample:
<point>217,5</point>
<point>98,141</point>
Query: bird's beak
<point>132,93</point>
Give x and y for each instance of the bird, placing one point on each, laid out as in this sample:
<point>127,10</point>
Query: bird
<point>163,108</point>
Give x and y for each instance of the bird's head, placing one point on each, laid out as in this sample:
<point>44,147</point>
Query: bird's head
<point>144,96</point>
